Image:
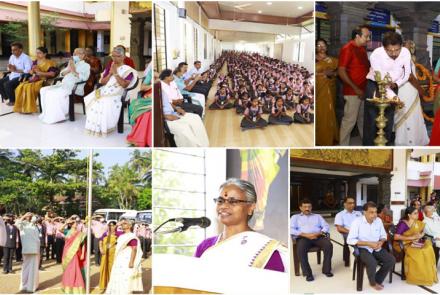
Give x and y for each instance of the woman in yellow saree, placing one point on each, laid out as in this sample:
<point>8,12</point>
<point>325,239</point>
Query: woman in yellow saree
<point>107,246</point>
<point>327,132</point>
<point>74,258</point>
<point>420,265</point>
<point>27,91</point>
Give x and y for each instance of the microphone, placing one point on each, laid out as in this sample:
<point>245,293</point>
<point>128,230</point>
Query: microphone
<point>203,222</point>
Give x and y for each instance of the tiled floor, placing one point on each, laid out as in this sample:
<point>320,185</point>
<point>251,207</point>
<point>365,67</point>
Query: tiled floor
<point>27,131</point>
<point>342,281</point>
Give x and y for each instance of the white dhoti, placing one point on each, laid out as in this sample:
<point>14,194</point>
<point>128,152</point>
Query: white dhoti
<point>198,98</point>
<point>29,273</point>
<point>189,131</point>
<point>55,104</point>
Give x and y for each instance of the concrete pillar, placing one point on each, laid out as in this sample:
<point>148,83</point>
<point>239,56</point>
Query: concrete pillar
<point>137,41</point>
<point>34,25</point>
<point>89,39</point>
<point>384,189</point>
<point>67,41</point>
<point>81,38</point>
<point>100,43</point>
<point>344,17</point>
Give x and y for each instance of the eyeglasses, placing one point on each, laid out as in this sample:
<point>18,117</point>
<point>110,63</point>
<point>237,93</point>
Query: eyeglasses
<point>230,201</point>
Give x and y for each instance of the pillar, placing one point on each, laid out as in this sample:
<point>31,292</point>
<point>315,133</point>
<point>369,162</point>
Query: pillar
<point>34,25</point>
<point>384,189</point>
<point>344,17</point>
<point>67,42</point>
<point>137,40</point>
<point>81,38</point>
<point>100,43</point>
<point>89,39</point>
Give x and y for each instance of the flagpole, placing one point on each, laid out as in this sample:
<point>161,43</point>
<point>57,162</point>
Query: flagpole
<point>89,220</point>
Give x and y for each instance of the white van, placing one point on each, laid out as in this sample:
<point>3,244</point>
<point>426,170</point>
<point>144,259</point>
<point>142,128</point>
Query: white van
<point>129,214</point>
<point>110,214</point>
<point>144,216</point>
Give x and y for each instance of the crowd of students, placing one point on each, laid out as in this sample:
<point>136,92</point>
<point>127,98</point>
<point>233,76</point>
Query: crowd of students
<point>257,85</point>
<point>118,249</point>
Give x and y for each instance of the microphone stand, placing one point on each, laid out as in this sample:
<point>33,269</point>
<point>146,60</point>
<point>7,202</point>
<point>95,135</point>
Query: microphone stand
<point>170,231</point>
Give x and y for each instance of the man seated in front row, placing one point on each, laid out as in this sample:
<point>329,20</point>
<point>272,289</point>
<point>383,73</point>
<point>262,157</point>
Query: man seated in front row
<point>367,232</point>
<point>344,218</point>
<point>432,223</point>
<point>311,230</point>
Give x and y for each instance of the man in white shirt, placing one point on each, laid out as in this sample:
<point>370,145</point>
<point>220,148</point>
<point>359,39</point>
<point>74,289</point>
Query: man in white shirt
<point>18,64</point>
<point>394,59</point>
<point>432,224</point>
<point>369,235</point>
<point>191,74</point>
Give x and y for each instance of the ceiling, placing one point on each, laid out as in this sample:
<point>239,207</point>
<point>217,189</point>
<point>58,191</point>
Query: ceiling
<point>278,12</point>
<point>235,36</point>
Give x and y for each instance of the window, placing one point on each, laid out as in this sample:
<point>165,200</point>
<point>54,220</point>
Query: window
<point>196,47</point>
<point>160,39</point>
<point>179,184</point>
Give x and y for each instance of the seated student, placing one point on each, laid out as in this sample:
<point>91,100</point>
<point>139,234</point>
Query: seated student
<point>268,102</point>
<point>187,128</point>
<point>278,114</point>
<point>420,264</point>
<point>369,235</point>
<point>221,100</point>
<point>311,230</point>
<point>241,91</point>
<point>197,104</point>
<point>303,113</point>
<point>289,100</point>
<point>432,224</point>
<point>55,98</point>
<point>344,218</point>
<point>283,90</point>
<point>242,103</point>
<point>252,116</point>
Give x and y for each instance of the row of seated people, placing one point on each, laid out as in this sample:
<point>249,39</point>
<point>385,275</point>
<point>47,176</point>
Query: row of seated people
<point>183,102</point>
<point>28,81</point>
<point>260,87</point>
<point>366,233</point>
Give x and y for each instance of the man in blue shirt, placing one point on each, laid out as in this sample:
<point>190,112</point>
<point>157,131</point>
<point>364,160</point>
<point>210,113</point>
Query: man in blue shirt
<point>369,235</point>
<point>344,218</point>
<point>311,230</point>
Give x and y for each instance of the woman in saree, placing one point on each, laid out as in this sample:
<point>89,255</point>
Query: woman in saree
<point>126,273</point>
<point>27,91</point>
<point>327,132</point>
<point>103,106</point>
<point>420,264</point>
<point>74,258</point>
<point>238,245</point>
<point>55,99</point>
<point>107,247</point>
<point>139,113</point>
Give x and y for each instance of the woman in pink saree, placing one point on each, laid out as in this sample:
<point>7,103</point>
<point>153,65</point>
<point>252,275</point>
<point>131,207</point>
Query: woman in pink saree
<point>74,258</point>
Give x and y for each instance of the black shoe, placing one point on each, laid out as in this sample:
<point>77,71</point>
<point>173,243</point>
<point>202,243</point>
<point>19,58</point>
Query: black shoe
<point>328,275</point>
<point>310,278</point>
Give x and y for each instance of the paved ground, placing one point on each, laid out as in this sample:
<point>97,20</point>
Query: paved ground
<point>50,278</point>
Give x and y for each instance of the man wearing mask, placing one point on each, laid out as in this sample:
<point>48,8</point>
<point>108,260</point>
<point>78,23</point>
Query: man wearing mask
<point>10,245</point>
<point>30,237</point>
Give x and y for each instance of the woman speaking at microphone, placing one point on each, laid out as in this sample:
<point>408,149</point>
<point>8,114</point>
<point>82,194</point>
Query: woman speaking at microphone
<point>238,245</point>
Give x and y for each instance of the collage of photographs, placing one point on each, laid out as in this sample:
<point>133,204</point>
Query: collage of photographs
<point>219,147</point>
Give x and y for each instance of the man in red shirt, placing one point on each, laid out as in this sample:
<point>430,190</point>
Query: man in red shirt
<point>353,69</point>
